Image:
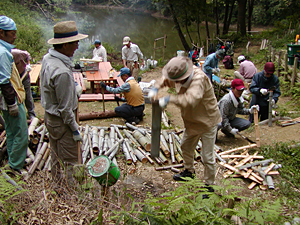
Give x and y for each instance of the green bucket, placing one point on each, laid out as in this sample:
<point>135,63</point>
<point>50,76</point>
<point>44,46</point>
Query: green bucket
<point>104,170</point>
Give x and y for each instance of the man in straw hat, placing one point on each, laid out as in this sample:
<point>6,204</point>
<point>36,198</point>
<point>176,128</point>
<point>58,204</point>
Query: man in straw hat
<point>131,54</point>
<point>11,98</point>
<point>60,98</point>
<point>199,111</point>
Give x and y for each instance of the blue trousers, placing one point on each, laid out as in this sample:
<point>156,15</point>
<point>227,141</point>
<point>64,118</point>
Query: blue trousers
<point>129,112</point>
<point>17,137</point>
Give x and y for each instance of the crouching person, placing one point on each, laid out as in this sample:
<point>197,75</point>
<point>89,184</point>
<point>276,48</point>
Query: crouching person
<point>232,104</point>
<point>132,110</point>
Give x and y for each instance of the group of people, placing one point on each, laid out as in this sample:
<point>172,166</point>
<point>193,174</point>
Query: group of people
<point>200,111</point>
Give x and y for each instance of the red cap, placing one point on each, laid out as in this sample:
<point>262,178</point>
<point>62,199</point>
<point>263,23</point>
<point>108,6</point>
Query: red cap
<point>238,84</point>
<point>269,68</point>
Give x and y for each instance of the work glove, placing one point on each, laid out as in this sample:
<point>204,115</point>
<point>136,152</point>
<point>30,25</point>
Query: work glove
<point>152,93</point>
<point>77,136</point>
<point>264,91</point>
<point>218,70</point>
<point>251,110</point>
<point>163,102</point>
<point>214,71</point>
<point>273,103</point>
<point>120,99</point>
<point>234,131</point>
<point>103,85</point>
<point>28,67</point>
<point>78,89</point>
<point>13,109</point>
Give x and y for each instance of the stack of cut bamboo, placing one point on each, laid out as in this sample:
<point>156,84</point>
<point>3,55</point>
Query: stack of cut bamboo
<point>242,164</point>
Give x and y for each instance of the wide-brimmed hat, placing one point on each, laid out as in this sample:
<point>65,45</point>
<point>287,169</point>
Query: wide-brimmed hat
<point>178,68</point>
<point>126,40</point>
<point>65,32</point>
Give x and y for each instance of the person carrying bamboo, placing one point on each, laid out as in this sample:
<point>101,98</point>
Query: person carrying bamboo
<point>199,111</point>
<point>12,97</point>
<point>59,98</point>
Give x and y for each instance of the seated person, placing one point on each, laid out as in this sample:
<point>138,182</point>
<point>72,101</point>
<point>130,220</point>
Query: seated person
<point>232,104</point>
<point>132,110</point>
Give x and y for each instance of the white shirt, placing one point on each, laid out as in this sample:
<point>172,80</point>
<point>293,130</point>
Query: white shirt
<point>100,53</point>
<point>132,54</point>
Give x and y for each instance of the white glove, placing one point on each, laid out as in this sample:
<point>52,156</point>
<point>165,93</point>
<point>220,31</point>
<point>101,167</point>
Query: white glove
<point>28,67</point>
<point>78,89</point>
<point>163,102</point>
<point>152,93</point>
<point>214,71</point>
<point>251,110</point>
<point>273,103</point>
<point>234,131</point>
<point>77,136</point>
<point>264,91</point>
<point>13,109</point>
<point>218,70</point>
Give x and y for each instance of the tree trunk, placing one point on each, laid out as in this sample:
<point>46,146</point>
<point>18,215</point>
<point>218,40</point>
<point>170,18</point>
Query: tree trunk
<point>225,30</point>
<point>250,10</point>
<point>229,16</point>
<point>177,26</point>
<point>241,26</point>
<point>217,17</point>
<point>206,21</point>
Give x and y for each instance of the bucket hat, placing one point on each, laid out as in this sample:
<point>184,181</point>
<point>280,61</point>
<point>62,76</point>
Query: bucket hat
<point>178,68</point>
<point>221,53</point>
<point>65,32</point>
<point>126,40</point>
<point>7,23</point>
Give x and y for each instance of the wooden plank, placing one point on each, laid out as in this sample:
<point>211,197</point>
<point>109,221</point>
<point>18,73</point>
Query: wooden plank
<point>97,97</point>
<point>35,73</point>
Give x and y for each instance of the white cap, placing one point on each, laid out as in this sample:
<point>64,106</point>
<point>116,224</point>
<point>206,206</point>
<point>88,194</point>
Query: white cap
<point>240,58</point>
<point>126,40</point>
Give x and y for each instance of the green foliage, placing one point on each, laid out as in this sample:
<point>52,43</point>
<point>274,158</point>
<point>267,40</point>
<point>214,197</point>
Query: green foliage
<point>185,205</point>
<point>8,191</point>
<point>289,158</point>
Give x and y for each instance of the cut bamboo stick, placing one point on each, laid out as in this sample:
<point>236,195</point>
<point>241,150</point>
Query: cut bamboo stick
<point>257,135</point>
<point>241,156</point>
<point>238,149</point>
<point>32,126</point>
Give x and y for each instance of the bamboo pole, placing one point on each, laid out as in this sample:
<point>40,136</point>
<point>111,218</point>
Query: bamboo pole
<point>146,154</point>
<point>38,129</point>
<point>143,140</point>
<point>238,149</point>
<point>101,140</point>
<point>41,139</point>
<point>44,158</point>
<point>133,156</point>
<point>141,157</point>
<point>126,153</point>
<point>95,140</point>
<point>169,167</point>
<point>135,128</point>
<point>164,146</point>
<point>112,134</point>
<point>172,149</point>
<point>37,159</point>
<point>90,147</point>
<point>32,126</point>
<point>85,134</point>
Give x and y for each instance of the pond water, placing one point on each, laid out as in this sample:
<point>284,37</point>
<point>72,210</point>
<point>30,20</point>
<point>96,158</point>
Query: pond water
<point>111,25</point>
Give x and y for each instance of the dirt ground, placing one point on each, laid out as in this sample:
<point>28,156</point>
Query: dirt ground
<point>139,179</point>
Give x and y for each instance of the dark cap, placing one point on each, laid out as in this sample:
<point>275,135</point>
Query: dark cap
<point>269,68</point>
<point>238,84</point>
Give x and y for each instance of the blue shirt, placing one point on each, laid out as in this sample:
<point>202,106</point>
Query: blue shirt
<point>124,88</point>
<point>210,63</point>
<point>6,61</point>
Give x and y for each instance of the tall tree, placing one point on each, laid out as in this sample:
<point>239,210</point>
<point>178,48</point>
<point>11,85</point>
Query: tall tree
<point>250,11</point>
<point>241,25</point>
<point>229,6</point>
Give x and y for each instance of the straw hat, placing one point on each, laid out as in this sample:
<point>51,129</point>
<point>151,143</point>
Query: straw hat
<point>178,68</point>
<point>65,32</point>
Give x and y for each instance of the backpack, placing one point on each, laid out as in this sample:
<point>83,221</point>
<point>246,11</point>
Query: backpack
<point>227,61</point>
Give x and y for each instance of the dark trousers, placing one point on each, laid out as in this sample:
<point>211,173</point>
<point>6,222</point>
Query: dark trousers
<point>263,113</point>
<point>129,112</point>
<point>238,123</point>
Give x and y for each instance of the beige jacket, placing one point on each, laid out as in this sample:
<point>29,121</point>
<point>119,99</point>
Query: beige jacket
<point>198,104</point>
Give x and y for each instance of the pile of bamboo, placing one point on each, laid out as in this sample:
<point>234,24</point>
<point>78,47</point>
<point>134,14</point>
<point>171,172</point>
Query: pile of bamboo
<point>241,164</point>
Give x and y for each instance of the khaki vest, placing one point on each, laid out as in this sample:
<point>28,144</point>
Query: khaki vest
<point>135,96</point>
<point>17,84</point>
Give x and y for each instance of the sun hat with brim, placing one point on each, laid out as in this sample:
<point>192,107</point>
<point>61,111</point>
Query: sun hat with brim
<point>65,32</point>
<point>238,84</point>
<point>178,68</point>
<point>123,71</point>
